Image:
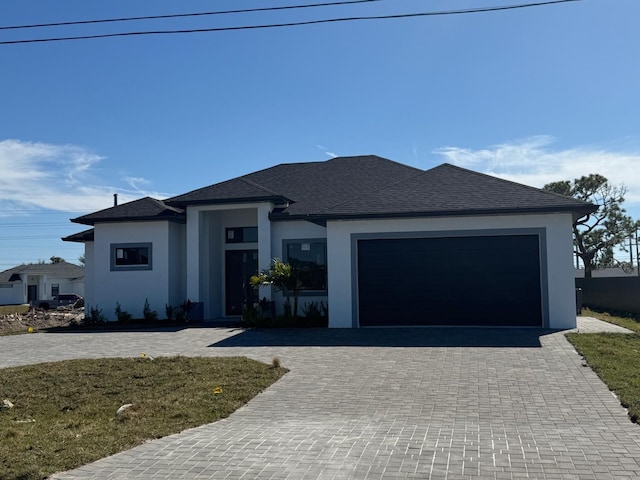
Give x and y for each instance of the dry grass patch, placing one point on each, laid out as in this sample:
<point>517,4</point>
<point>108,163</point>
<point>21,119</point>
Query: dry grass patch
<point>13,309</point>
<point>64,413</point>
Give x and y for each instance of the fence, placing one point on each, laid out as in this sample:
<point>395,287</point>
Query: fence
<point>613,293</point>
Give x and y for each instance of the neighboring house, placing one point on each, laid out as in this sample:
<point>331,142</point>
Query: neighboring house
<point>40,281</point>
<point>384,244</point>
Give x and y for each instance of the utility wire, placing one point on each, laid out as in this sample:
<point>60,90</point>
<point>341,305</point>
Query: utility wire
<point>291,24</point>
<point>180,15</point>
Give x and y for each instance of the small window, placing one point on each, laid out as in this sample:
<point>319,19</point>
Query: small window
<point>309,257</point>
<point>241,235</point>
<point>55,289</point>
<point>131,256</point>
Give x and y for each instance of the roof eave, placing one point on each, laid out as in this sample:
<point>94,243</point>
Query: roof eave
<point>577,213</point>
<point>179,218</point>
<point>226,201</point>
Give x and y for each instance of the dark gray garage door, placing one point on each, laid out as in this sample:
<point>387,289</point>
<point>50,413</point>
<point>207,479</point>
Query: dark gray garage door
<point>486,280</point>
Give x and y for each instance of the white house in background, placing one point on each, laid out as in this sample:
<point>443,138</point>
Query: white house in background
<point>384,244</point>
<point>40,281</point>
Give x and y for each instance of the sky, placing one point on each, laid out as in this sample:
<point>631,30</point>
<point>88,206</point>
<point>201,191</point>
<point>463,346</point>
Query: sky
<point>533,95</point>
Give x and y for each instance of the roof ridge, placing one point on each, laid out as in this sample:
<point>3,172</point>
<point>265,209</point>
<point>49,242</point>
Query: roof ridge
<point>301,166</point>
<point>386,185</point>
<point>257,185</point>
<point>164,205</point>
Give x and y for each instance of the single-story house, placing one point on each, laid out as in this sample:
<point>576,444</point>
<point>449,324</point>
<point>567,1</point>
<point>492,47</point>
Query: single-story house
<point>40,281</point>
<point>385,244</point>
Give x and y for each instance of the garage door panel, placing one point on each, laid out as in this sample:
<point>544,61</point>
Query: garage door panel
<point>488,280</point>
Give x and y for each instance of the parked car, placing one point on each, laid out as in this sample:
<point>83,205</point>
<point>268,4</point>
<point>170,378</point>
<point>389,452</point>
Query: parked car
<point>61,300</point>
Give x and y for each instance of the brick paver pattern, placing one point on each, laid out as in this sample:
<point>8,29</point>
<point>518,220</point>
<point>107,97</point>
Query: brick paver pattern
<point>432,403</point>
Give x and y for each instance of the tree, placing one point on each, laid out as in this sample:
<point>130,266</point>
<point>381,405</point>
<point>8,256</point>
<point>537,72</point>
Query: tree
<point>283,277</point>
<point>596,234</point>
<point>55,259</point>
<point>81,259</point>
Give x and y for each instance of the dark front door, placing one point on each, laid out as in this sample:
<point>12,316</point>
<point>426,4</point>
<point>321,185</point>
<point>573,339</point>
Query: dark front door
<point>240,265</point>
<point>32,293</point>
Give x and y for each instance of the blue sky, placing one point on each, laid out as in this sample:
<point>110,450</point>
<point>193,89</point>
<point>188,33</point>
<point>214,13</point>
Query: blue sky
<point>533,95</point>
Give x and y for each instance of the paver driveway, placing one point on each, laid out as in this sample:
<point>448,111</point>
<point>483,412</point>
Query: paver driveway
<point>379,404</point>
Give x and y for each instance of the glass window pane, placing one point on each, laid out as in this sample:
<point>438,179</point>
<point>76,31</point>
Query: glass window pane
<point>309,258</point>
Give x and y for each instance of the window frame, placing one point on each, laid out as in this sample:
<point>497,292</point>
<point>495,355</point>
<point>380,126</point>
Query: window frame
<point>241,233</point>
<point>55,289</point>
<point>127,268</point>
<point>285,258</point>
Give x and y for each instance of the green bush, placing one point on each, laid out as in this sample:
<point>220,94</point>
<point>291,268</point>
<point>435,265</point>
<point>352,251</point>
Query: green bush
<point>148,314</point>
<point>95,316</point>
<point>122,315</point>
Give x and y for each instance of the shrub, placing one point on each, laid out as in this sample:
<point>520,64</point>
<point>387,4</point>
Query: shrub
<point>95,316</point>
<point>251,315</point>
<point>182,313</point>
<point>149,315</point>
<point>312,310</point>
<point>169,311</point>
<point>122,315</point>
<point>287,308</point>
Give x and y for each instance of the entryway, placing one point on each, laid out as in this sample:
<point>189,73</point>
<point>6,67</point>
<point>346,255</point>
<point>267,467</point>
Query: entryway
<point>240,265</point>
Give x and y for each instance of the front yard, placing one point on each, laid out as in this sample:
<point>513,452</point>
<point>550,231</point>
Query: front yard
<point>62,415</point>
<point>615,357</point>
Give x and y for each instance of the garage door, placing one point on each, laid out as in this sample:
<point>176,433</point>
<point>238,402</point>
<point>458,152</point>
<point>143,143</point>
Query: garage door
<point>484,280</point>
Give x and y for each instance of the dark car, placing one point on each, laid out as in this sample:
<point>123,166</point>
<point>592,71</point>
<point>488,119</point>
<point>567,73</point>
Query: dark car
<point>62,300</point>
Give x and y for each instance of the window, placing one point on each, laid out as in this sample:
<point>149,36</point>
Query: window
<point>55,289</point>
<point>309,257</point>
<point>241,234</point>
<point>131,256</point>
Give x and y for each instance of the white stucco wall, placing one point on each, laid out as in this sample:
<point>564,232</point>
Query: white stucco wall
<point>177,268</point>
<point>130,288</point>
<point>89,276</point>
<point>65,285</point>
<point>560,271</point>
<point>12,293</point>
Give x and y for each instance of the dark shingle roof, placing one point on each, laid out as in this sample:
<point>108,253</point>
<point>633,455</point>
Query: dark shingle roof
<point>59,270</point>
<point>80,237</point>
<point>451,190</point>
<point>144,209</point>
<point>308,187</point>
<point>355,187</point>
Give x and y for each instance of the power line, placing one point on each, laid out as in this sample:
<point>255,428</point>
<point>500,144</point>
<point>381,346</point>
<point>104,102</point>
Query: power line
<point>181,15</point>
<point>290,24</point>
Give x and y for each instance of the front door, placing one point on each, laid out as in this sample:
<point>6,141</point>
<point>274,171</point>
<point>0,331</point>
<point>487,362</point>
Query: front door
<point>240,265</point>
<point>32,293</point>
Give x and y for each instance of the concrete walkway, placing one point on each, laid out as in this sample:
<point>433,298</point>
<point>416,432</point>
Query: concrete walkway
<point>439,403</point>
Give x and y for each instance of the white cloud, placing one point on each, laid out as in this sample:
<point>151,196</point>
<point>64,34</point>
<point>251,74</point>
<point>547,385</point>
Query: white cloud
<point>533,161</point>
<point>36,176</point>
<point>135,182</point>
<point>326,151</point>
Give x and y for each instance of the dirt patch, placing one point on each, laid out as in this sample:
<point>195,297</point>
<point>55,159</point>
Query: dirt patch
<point>39,320</point>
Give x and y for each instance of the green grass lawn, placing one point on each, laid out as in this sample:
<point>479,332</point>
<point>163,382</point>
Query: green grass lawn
<point>65,412</point>
<point>615,357</point>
